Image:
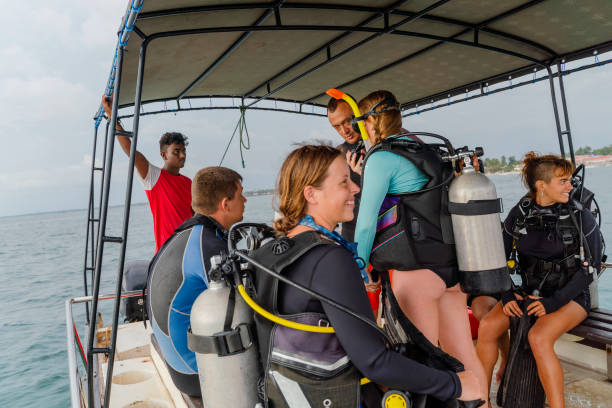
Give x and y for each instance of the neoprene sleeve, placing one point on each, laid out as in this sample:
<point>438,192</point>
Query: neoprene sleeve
<point>331,271</point>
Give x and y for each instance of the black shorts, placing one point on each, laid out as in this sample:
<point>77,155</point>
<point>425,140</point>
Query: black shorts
<point>584,300</point>
<point>449,274</point>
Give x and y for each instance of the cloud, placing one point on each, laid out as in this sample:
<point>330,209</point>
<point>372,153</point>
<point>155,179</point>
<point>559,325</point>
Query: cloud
<point>46,177</point>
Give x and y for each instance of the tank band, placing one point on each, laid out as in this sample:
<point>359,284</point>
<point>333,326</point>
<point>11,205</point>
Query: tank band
<point>226,343</point>
<point>476,207</point>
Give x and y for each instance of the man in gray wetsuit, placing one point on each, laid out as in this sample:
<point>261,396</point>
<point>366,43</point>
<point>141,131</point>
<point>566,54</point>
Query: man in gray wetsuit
<point>339,114</point>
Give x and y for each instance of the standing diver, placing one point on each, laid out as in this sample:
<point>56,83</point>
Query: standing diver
<point>399,182</point>
<point>545,231</point>
<point>315,193</point>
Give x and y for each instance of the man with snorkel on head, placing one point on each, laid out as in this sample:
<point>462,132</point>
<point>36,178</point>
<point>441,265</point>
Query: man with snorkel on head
<point>339,114</point>
<point>168,191</point>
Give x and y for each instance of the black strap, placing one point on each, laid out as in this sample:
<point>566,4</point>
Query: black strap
<point>226,343</point>
<point>229,312</point>
<point>476,207</point>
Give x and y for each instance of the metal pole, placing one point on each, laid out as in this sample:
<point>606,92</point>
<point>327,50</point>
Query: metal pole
<point>568,132</point>
<point>94,255</point>
<point>73,371</point>
<point>90,217</point>
<point>102,230</point>
<point>555,109</point>
<point>126,222</point>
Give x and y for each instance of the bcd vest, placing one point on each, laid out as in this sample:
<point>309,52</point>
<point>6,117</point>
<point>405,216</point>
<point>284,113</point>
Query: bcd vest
<point>301,368</point>
<point>414,229</point>
<point>550,274</point>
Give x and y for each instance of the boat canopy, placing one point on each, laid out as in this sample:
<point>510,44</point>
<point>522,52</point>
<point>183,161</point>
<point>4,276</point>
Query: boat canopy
<point>422,50</point>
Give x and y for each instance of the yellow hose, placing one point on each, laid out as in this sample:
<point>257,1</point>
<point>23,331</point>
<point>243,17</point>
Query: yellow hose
<point>285,322</point>
<point>280,320</point>
<point>338,94</point>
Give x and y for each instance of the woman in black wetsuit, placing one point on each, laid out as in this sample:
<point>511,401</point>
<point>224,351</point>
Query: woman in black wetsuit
<point>547,247</point>
<point>315,193</point>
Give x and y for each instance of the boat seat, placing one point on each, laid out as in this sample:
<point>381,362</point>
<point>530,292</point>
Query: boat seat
<point>596,330</point>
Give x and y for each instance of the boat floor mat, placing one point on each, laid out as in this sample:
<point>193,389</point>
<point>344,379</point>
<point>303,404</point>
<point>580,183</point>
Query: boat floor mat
<point>520,385</point>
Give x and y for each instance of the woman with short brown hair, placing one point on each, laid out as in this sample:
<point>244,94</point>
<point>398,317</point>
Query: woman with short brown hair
<point>543,232</point>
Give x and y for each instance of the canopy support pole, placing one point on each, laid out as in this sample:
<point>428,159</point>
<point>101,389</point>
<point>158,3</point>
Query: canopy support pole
<point>126,222</point>
<point>101,233</point>
<point>555,109</point>
<point>567,131</point>
<point>89,231</point>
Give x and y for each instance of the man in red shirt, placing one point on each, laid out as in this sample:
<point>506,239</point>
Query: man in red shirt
<point>168,191</point>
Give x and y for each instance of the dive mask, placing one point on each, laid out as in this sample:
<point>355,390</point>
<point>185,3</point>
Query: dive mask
<point>389,105</point>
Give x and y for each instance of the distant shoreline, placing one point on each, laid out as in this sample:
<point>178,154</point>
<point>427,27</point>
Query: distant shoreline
<point>588,166</point>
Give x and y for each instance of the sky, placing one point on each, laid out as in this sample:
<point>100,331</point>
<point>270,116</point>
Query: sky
<point>55,61</point>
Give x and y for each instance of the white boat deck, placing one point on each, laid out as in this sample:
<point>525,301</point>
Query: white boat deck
<point>141,379</point>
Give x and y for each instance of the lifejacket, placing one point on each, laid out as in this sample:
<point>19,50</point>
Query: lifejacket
<point>414,229</point>
<point>301,368</point>
<point>547,275</point>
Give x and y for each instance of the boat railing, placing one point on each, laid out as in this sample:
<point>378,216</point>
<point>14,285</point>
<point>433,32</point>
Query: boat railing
<point>77,399</point>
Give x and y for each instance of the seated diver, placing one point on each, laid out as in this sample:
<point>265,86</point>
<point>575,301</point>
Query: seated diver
<point>425,274</point>
<point>542,231</point>
<point>177,273</point>
<point>315,193</point>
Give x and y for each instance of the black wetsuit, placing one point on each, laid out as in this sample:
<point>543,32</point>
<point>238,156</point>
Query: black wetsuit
<point>331,271</point>
<point>348,227</point>
<point>547,244</point>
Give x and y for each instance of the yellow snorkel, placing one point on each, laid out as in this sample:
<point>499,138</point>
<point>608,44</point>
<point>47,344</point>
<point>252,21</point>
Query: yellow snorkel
<point>338,94</point>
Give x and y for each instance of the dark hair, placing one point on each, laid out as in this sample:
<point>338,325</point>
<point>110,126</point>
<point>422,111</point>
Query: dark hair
<point>385,124</point>
<point>305,166</point>
<point>169,138</point>
<point>211,185</point>
<point>543,168</point>
<point>333,104</point>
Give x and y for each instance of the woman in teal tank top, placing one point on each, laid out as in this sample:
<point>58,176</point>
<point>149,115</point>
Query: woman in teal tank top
<point>432,300</point>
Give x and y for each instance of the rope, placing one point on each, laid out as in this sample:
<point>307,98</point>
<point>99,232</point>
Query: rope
<point>245,139</point>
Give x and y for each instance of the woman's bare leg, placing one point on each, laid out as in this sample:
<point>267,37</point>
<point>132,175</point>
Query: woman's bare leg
<point>542,336</point>
<point>417,293</point>
<point>481,306</point>
<point>491,328</point>
<point>455,334</point>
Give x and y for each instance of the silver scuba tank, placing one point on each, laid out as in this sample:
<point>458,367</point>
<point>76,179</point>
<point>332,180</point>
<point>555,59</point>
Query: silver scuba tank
<point>227,360</point>
<point>475,208</point>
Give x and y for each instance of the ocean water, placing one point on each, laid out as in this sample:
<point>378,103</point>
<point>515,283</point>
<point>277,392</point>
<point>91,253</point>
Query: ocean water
<point>41,262</point>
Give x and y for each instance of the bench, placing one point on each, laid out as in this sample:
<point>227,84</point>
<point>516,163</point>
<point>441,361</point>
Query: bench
<point>596,331</point>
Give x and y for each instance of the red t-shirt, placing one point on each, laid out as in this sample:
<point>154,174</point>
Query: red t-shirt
<point>170,200</point>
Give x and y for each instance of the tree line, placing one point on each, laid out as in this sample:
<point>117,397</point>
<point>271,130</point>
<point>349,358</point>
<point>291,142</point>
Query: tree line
<point>496,165</point>
<point>602,151</point>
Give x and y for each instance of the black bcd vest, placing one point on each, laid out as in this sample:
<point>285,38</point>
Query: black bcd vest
<point>548,275</point>
<point>420,234</point>
<point>311,368</point>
